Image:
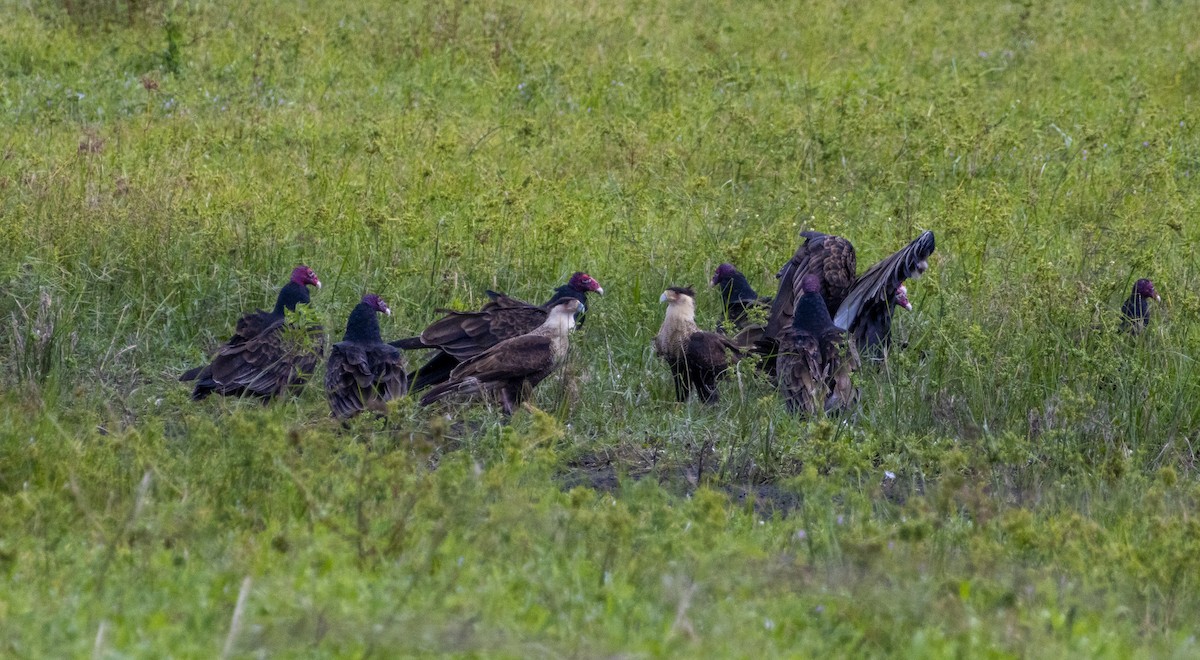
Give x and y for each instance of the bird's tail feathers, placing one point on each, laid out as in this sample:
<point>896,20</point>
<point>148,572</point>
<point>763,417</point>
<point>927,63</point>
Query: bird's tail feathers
<point>443,390</point>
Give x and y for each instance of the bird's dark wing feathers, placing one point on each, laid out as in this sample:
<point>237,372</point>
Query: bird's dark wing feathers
<point>829,257</point>
<point>466,334</point>
<point>814,370</point>
<point>519,357</point>
<point>882,279</point>
<point>710,351</point>
<point>358,374</point>
<point>266,364</point>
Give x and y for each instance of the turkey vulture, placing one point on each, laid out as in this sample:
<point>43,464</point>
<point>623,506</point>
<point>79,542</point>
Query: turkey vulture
<point>512,368</point>
<point>265,355</point>
<point>362,371</point>
<point>815,360</point>
<point>740,301</point>
<point>696,358</point>
<point>461,335</point>
<point>861,304</point>
<point>1135,313</point>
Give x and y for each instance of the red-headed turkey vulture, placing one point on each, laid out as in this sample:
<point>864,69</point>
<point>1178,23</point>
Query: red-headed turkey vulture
<point>815,360</point>
<point>511,369</point>
<point>741,302</point>
<point>696,358</point>
<point>363,372</point>
<point>1135,313</point>
<point>458,336</point>
<point>265,355</point>
<point>860,304</point>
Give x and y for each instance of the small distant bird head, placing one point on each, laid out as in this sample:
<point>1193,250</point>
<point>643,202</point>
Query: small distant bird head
<point>725,272</point>
<point>583,283</point>
<point>810,284</point>
<point>900,298</point>
<point>376,303</point>
<point>676,294</point>
<point>1145,289</point>
<point>304,276</point>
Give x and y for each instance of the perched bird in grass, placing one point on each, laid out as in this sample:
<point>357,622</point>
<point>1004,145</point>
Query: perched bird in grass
<point>458,336</point>
<point>861,304</point>
<point>815,360</point>
<point>510,369</point>
<point>696,358</point>
<point>363,372</point>
<point>741,302</point>
<point>1135,312</point>
<point>265,355</point>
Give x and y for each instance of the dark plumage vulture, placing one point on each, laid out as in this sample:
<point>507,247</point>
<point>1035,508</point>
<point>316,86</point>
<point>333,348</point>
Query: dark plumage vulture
<point>1135,312</point>
<point>741,302</point>
<point>458,336</point>
<point>696,358</point>
<point>511,369</point>
<point>861,304</point>
<point>815,360</point>
<point>264,356</point>
<point>363,372</point>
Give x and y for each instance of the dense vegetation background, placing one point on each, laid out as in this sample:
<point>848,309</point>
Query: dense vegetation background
<point>1020,479</point>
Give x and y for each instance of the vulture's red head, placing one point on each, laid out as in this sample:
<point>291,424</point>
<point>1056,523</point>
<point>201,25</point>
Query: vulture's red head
<point>1145,289</point>
<point>376,303</point>
<point>900,298</point>
<point>724,273</point>
<point>304,276</point>
<point>810,284</point>
<point>583,283</point>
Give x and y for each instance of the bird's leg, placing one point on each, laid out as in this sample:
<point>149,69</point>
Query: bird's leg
<point>682,389</point>
<point>506,402</point>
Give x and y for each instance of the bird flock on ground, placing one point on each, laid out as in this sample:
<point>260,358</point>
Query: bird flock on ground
<point>824,320</point>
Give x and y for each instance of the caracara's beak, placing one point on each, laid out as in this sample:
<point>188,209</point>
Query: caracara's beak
<point>663,297</point>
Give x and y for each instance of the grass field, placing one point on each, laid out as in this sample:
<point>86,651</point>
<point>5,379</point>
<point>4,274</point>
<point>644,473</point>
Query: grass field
<point>1020,480</point>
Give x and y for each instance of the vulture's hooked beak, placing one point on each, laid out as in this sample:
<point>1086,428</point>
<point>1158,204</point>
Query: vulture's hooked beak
<point>600,290</point>
<point>317,282</point>
<point>1157,297</point>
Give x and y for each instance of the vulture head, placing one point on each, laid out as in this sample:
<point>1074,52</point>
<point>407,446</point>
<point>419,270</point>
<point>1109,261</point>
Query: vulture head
<point>900,298</point>
<point>304,276</point>
<point>1145,288</point>
<point>583,283</point>
<point>376,303</point>
<point>725,272</point>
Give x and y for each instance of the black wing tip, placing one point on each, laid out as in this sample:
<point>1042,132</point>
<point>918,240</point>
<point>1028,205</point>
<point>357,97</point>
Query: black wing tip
<point>926,243</point>
<point>191,374</point>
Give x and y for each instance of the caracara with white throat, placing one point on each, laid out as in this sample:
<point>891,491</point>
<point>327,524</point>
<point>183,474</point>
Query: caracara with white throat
<point>696,358</point>
<point>512,368</point>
